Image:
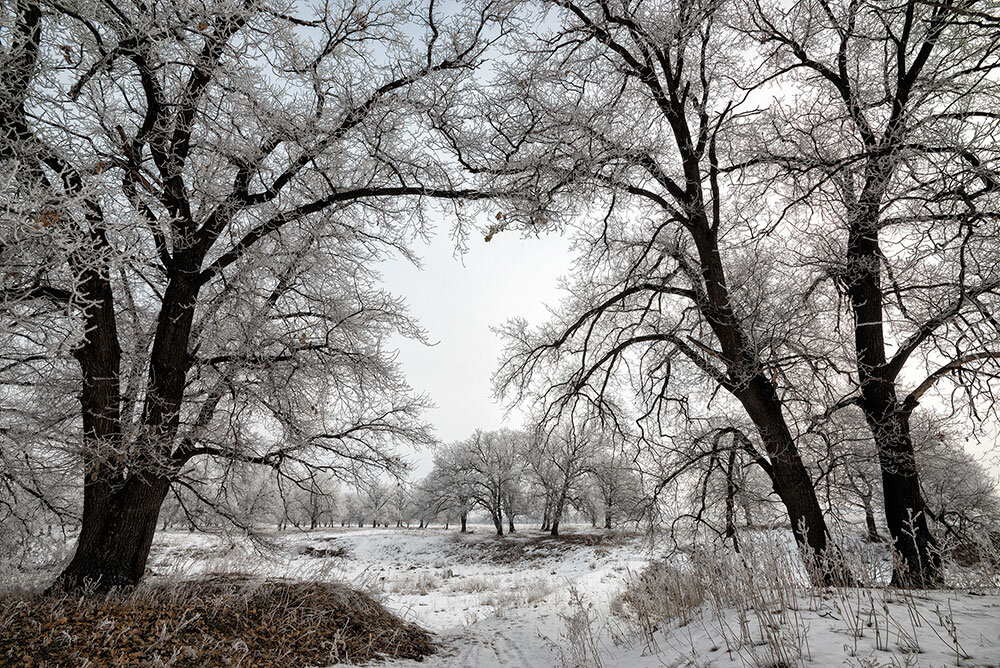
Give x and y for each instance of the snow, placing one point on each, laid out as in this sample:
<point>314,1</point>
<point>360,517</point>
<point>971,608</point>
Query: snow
<point>530,600</point>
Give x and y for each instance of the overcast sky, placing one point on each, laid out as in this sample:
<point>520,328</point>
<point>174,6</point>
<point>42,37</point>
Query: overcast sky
<point>457,300</point>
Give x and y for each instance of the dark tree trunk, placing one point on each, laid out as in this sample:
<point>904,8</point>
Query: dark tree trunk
<point>559,507</point>
<point>757,394</point>
<point>870,524</point>
<point>464,518</point>
<point>919,559</point>
<point>607,517</point>
<point>792,483</point>
<point>497,522</point>
<point>510,524</point>
<point>116,533</point>
<point>120,509</point>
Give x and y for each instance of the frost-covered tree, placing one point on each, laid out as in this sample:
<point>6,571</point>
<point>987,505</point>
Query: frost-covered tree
<point>485,469</point>
<point>562,457</point>
<point>194,199</point>
<point>622,119</point>
<point>890,148</point>
<point>376,497</point>
<point>449,485</point>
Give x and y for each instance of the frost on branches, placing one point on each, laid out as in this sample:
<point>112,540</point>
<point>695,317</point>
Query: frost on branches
<point>194,198</point>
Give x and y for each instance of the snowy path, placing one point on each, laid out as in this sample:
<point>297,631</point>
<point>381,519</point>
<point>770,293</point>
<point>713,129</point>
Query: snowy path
<point>484,647</point>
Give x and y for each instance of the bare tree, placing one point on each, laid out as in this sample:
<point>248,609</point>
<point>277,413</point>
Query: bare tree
<point>450,485</point>
<point>615,481</point>
<point>194,201</point>
<point>402,505</point>
<point>563,456</point>
<point>890,145</point>
<point>628,114</point>
<point>376,498</point>
<point>486,467</point>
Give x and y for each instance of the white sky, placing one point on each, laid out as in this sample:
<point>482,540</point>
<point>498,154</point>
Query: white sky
<point>457,300</point>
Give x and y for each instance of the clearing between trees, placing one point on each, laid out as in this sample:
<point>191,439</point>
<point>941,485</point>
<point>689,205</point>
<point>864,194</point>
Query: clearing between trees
<point>586,598</point>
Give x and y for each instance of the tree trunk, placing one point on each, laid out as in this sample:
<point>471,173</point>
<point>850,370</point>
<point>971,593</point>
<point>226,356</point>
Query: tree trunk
<point>116,533</point>
<point>120,511</point>
<point>757,394</point>
<point>870,524</point>
<point>792,483</point>
<point>919,561</point>
<point>497,522</point>
<point>465,517</point>
<point>510,524</point>
<point>607,517</point>
<point>560,505</point>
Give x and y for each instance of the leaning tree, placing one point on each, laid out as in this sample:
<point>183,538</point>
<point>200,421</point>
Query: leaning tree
<point>625,118</point>
<point>195,197</point>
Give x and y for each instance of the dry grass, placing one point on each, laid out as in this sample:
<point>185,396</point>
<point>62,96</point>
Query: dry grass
<point>420,583</point>
<point>528,545</point>
<point>759,605</point>
<point>214,621</point>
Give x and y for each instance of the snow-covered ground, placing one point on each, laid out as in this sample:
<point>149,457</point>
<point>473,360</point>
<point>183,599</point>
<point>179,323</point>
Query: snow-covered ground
<point>531,600</point>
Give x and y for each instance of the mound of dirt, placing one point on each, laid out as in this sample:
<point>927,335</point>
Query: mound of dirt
<point>221,621</point>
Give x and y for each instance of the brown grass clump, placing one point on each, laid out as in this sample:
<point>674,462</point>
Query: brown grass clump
<point>217,621</point>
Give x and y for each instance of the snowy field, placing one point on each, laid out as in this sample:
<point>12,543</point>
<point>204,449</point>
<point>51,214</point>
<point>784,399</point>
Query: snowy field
<point>528,600</point>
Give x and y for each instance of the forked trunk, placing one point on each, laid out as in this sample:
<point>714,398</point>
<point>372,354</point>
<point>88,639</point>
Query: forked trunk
<point>119,521</point>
